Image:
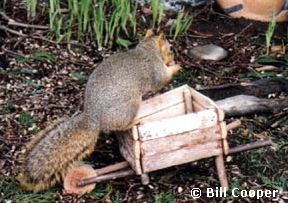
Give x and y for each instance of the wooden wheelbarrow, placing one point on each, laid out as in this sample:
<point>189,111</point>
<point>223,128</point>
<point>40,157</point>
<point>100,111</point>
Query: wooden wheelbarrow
<point>177,127</point>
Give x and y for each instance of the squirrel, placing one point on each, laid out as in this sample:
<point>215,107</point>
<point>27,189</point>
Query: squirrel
<point>112,97</point>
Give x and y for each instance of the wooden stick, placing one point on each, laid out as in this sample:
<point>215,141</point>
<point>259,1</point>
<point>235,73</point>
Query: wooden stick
<point>15,23</point>
<point>97,179</point>
<point>233,124</point>
<point>250,146</point>
<point>112,168</point>
<point>219,160</point>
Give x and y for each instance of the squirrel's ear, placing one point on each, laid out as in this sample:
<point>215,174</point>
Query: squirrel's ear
<point>149,33</point>
<point>161,39</point>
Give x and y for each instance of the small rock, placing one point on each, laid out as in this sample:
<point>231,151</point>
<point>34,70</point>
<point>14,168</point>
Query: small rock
<point>209,52</point>
<point>151,186</point>
<point>228,158</point>
<point>179,189</point>
<point>267,68</point>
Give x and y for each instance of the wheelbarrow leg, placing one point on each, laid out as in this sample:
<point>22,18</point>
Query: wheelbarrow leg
<point>145,179</point>
<point>219,160</point>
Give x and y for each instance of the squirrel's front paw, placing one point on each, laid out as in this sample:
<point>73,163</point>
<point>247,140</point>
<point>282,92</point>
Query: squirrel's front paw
<point>175,68</point>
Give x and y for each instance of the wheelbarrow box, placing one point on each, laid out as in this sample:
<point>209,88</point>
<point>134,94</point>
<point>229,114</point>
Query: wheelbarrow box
<point>177,127</point>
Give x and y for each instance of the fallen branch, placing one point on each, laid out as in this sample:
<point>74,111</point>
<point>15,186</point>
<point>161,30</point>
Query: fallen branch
<point>245,104</point>
<point>18,24</point>
<point>258,88</point>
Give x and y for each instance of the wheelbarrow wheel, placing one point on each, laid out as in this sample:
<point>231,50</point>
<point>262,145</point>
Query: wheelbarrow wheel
<point>74,175</point>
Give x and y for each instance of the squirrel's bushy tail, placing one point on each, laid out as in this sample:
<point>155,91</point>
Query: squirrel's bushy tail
<point>51,154</point>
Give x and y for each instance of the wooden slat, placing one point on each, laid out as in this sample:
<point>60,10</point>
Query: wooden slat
<point>176,142</point>
<point>184,155</point>
<point>134,132</point>
<point>131,133</point>
<point>188,101</point>
<point>133,146</point>
<point>177,125</point>
<point>206,102</point>
<point>172,111</point>
<point>224,132</point>
<point>134,163</point>
<point>197,107</point>
<point>163,101</point>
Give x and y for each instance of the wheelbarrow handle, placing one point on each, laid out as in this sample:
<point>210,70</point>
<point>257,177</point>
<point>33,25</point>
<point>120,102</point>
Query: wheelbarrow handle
<point>110,176</point>
<point>250,146</point>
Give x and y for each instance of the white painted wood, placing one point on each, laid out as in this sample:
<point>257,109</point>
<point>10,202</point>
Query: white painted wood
<point>179,124</point>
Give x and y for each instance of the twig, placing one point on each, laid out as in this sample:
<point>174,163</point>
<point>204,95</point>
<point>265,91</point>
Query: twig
<point>2,139</point>
<point>63,43</point>
<point>44,39</point>
<point>12,53</point>
<point>127,192</point>
<point>15,23</point>
<point>19,41</point>
<point>40,27</point>
<point>5,16</point>
<point>2,27</point>
<point>242,31</point>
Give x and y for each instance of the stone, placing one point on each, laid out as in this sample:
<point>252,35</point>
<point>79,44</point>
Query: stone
<point>209,52</point>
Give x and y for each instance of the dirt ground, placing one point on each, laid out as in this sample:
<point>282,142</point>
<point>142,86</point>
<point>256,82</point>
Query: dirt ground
<point>34,93</point>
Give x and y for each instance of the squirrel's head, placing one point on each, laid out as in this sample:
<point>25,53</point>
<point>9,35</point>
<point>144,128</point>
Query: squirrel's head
<point>162,45</point>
